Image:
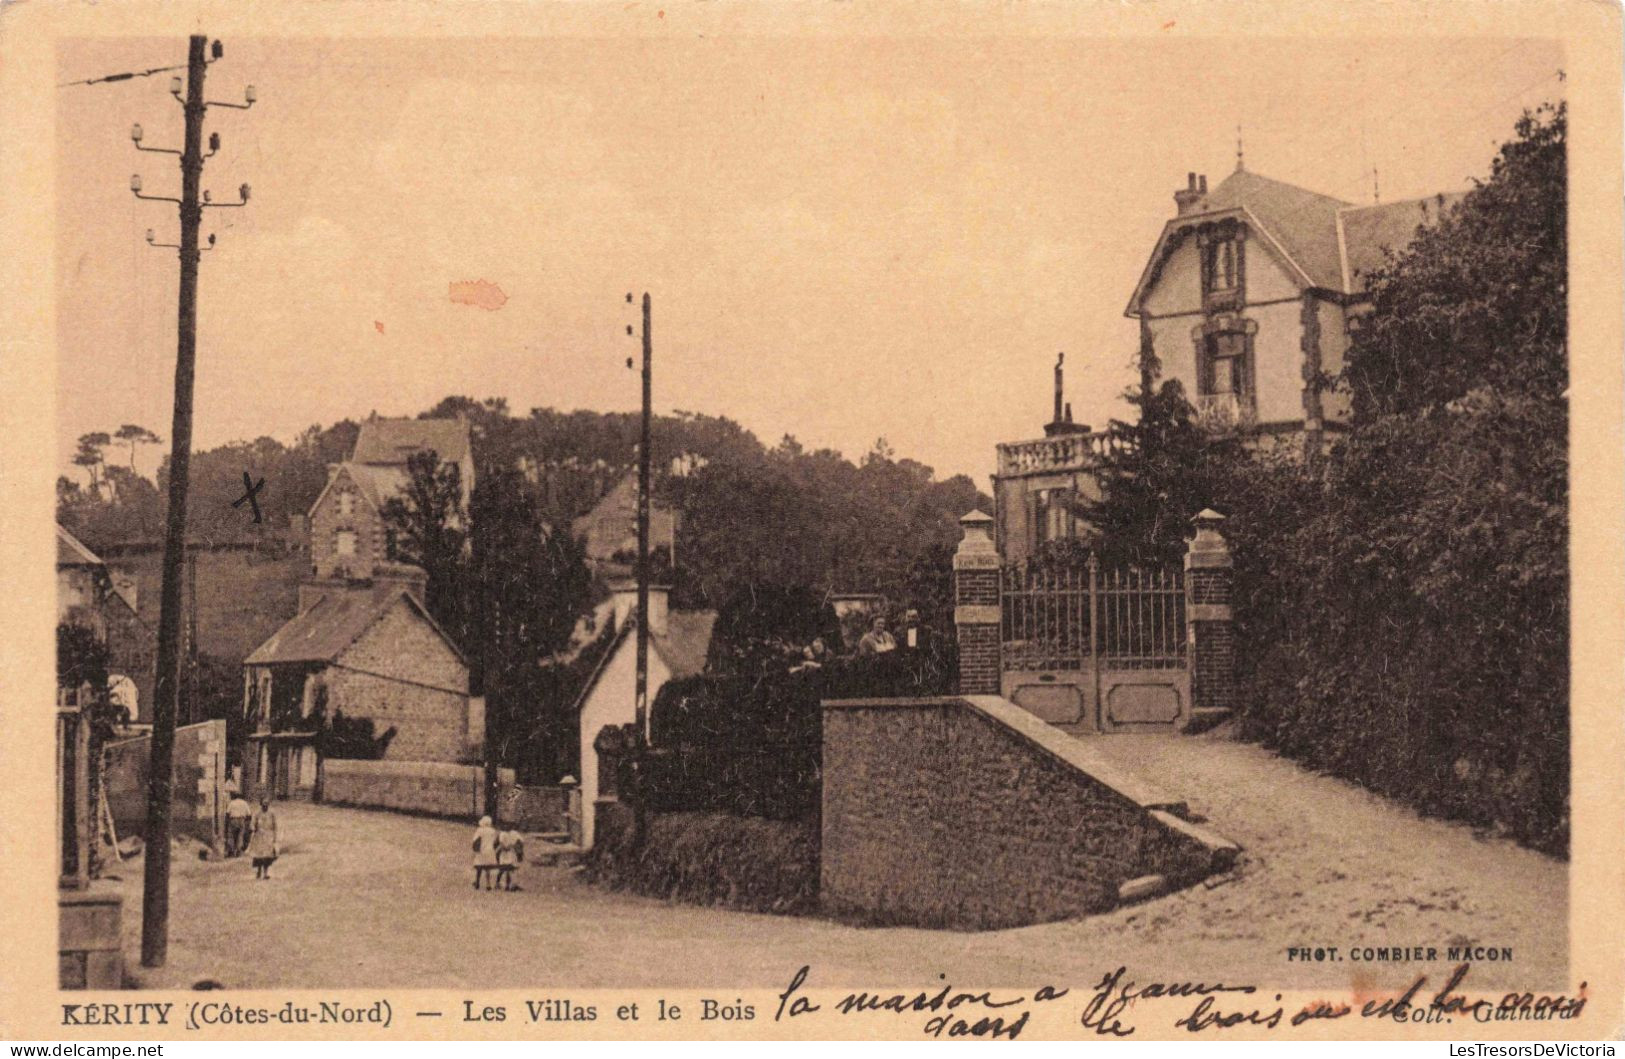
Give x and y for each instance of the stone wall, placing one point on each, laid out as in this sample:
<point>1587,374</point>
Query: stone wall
<point>402,675</point>
<point>436,788</point>
<point>971,813</point>
<point>199,799</point>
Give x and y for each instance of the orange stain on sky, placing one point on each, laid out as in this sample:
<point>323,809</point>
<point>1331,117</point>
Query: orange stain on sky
<point>379,325</point>
<point>480,293</point>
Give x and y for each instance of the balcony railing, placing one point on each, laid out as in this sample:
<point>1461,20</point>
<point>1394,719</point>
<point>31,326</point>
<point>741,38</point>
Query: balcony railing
<point>1066,452</point>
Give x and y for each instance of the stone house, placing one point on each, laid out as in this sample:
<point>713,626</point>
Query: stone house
<point>348,537</point>
<point>91,594</point>
<point>1248,298</point>
<point>678,644</point>
<point>373,654</point>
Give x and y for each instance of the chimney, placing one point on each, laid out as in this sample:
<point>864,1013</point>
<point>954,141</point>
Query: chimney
<point>414,578</point>
<point>625,595</point>
<point>1189,198</point>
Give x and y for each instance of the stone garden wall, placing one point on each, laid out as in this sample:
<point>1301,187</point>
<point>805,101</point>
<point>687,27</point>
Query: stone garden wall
<point>971,813</point>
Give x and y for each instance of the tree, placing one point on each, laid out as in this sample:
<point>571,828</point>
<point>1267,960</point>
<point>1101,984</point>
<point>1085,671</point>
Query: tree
<point>530,585</point>
<point>133,435</point>
<point>1157,472</point>
<point>1479,299</point>
<point>426,528</point>
<point>91,457</point>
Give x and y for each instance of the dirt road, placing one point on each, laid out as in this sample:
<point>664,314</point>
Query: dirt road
<point>376,899</point>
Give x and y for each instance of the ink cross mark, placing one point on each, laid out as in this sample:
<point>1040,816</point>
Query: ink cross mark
<point>250,495</point>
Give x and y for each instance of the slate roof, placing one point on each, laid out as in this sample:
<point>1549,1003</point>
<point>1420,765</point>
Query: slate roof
<point>1370,231</point>
<point>69,552</point>
<point>326,629</point>
<point>391,441</point>
<point>686,641</point>
<point>683,647</point>
<point>1303,222</point>
<point>1330,244</point>
<point>378,484</point>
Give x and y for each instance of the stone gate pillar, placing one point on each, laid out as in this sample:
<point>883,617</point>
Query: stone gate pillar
<point>976,606</point>
<point>1208,577</point>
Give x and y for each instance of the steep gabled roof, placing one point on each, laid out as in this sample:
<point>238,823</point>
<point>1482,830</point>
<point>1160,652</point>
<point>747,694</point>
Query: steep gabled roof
<point>1327,243</point>
<point>70,552</point>
<point>391,441</point>
<point>376,484</point>
<point>686,641</point>
<point>683,647</point>
<point>333,623</point>
<point>1303,222</point>
<point>611,526</point>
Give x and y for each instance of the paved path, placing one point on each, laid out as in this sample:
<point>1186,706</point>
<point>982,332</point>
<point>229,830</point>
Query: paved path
<point>372,899</point>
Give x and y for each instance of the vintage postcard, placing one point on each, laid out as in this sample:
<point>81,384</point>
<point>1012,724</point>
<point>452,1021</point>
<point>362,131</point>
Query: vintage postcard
<point>666,520</point>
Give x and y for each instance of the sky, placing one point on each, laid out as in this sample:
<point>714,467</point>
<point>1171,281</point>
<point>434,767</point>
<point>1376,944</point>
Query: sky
<point>845,238</point>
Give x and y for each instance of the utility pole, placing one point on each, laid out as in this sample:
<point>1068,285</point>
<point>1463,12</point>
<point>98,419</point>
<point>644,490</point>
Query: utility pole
<point>640,711</point>
<point>189,684</point>
<point>160,793</point>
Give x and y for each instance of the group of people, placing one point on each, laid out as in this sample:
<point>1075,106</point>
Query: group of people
<point>496,855</point>
<point>252,831</point>
<point>876,640</point>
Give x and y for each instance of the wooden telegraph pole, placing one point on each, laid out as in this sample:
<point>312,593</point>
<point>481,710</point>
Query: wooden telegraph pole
<point>155,892</point>
<point>641,695</point>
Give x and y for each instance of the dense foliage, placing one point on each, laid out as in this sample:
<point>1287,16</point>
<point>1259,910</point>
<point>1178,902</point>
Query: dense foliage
<point>750,515</point>
<point>750,742</point>
<point>81,664</point>
<point>509,590</point>
<point>1402,602</point>
<point>746,863</point>
<point>1480,299</point>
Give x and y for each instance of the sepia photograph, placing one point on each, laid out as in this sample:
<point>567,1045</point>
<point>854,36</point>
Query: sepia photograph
<point>972,530</point>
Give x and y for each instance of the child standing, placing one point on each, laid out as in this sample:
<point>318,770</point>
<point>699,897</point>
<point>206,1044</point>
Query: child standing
<point>485,852</point>
<point>510,852</point>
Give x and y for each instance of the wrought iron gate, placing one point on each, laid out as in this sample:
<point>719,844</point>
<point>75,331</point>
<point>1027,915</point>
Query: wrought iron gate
<point>1105,647</point>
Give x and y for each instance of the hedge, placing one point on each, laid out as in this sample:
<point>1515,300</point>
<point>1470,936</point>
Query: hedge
<point>1402,610</point>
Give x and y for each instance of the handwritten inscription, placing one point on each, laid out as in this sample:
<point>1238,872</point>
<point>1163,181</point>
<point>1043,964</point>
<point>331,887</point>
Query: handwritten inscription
<point>1208,1006</point>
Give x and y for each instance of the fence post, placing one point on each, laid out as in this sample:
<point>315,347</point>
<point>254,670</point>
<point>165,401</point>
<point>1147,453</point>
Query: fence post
<point>1208,578</point>
<point>976,606</point>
